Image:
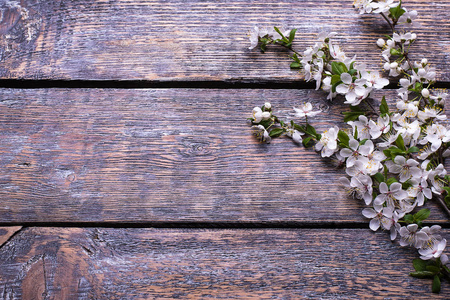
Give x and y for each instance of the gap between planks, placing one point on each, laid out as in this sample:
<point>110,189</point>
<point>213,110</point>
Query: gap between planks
<point>144,84</point>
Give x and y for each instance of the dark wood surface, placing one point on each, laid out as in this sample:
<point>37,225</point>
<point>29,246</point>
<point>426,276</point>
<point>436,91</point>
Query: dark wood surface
<point>193,40</point>
<point>100,263</point>
<point>75,160</point>
<point>163,155</point>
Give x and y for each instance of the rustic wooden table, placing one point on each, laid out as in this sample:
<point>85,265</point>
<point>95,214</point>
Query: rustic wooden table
<point>128,171</point>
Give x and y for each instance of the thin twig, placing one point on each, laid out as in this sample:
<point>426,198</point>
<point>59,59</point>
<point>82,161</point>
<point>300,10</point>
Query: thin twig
<point>443,205</point>
<point>290,48</point>
<point>374,111</point>
<point>389,22</point>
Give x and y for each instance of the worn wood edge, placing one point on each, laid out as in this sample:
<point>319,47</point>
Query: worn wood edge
<point>62,263</point>
<point>7,232</point>
<point>72,166</point>
<point>194,40</point>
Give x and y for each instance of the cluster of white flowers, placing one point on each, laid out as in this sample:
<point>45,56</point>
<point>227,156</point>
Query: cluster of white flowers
<point>410,178</point>
<point>258,33</point>
<point>336,73</point>
<point>259,115</point>
<point>373,6</point>
<point>393,159</point>
<point>413,177</point>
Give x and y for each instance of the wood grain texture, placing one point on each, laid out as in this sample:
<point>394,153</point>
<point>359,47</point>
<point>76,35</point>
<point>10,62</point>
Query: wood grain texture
<point>163,155</point>
<point>76,263</point>
<point>193,40</point>
<point>7,232</point>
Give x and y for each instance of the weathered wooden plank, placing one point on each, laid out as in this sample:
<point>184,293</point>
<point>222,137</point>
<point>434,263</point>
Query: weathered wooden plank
<point>162,155</point>
<point>76,263</point>
<point>192,40</point>
<point>7,232</point>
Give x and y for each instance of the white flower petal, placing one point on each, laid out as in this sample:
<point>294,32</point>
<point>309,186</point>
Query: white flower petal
<point>369,213</point>
<point>346,78</point>
<point>384,188</point>
<point>374,224</point>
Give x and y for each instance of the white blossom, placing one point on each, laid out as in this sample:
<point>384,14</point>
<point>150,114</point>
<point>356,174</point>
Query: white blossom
<point>306,110</point>
<point>434,251</point>
<point>262,134</point>
<point>410,236</point>
<point>259,115</point>
<point>351,90</point>
<point>328,142</point>
<point>390,195</point>
<point>408,17</point>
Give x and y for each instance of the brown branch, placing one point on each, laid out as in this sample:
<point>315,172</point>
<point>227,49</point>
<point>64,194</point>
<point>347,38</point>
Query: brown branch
<point>443,205</point>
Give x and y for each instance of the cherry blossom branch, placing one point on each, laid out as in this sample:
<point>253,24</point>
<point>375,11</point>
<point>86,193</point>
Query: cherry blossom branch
<point>442,204</point>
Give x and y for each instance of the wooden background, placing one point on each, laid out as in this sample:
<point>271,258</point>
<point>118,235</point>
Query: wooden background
<point>128,170</point>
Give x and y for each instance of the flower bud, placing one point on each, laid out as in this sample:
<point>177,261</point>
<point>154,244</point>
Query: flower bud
<point>297,137</point>
<point>413,36</point>
<point>424,61</point>
<point>267,105</point>
<point>421,72</point>
<point>380,43</point>
<point>405,82</point>
<point>266,115</point>
<point>387,66</point>
<point>395,52</point>
<point>394,65</point>
<point>425,93</point>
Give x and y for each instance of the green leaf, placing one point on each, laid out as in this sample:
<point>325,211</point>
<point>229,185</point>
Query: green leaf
<point>298,127</point>
<point>335,79</point>
<point>406,185</point>
<point>395,151</point>
<point>280,33</point>
<point>447,200</point>
<point>312,132</point>
<point>338,68</point>
<point>395,52</point>
<point>295,58</point>
<point>379,177</point>
<point>305,141</point>
<point>292,34</point>
<point>422,274</point>
<point>352,71</point>
<point>391,181</point>
<point>384,108</point>
<point>351,115</point>
<point>334,68</point>
<point>295,65</point>
<point>397,12</point>
<point>387,152</point>
<point>447,189</point>
<point>433,269</point>
<point>409,219</point>
<point>276,132</point>
<point>418,87</point>
<point>436,287</point>
<point>419,264</point>
<point>413,150</point>
<point>263,47</point>
<point>422,214</point>
<point>351,65</point>
<point>400,143</point>
<point>343,138</point>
